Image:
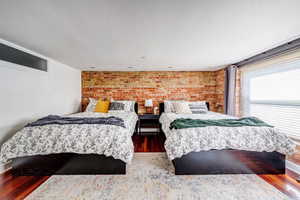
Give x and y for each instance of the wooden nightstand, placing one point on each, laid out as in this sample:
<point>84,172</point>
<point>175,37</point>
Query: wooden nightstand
<point>148,124</point>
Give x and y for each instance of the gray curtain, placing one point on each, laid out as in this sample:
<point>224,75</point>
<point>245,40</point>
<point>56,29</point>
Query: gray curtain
<point>229,96</point>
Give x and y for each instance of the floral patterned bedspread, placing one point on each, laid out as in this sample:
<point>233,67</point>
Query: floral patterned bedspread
<point>183,141</point>
<point>109,140</point>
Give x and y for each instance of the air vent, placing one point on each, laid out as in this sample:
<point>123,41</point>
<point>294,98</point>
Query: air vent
<point>19,57</point>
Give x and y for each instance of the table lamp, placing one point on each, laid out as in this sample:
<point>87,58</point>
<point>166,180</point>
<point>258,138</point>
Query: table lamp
<point>148,105</point>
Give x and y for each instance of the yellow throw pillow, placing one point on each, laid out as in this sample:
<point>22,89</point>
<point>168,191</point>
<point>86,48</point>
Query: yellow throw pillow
<point>102,106</point>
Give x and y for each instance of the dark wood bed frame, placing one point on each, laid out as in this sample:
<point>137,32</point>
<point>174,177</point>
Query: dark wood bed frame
<point>228,161</point>
<point>67,164</point>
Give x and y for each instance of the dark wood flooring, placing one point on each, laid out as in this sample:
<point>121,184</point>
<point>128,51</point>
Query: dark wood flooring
<point>12,188</point>
<point>151,143</point>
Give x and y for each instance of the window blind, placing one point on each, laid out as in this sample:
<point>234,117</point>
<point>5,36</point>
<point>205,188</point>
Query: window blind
<point>273,95</point>
<point>284,117</point>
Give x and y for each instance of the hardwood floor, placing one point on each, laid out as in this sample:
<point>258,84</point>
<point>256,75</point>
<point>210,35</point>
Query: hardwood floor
<point>151,143</point>
<point>285,183</point>
<point>295,158</point>
<point>12,188</point>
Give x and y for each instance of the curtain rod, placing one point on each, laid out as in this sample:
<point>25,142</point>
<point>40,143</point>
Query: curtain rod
<point>289,46</point>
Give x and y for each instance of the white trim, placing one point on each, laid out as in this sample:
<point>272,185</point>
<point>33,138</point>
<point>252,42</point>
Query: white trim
<point>292,166</point>
<point>4,167</point>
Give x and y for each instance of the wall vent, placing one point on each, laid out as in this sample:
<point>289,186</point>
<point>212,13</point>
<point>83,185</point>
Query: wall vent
<point>19,57</point>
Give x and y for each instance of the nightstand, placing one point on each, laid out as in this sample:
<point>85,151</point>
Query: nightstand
<point>148,124</point>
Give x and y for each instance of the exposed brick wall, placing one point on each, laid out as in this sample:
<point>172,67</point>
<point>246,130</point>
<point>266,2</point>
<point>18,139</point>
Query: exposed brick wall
<point>158,86</point>
<point>238,93</point>
<point>220,84</point>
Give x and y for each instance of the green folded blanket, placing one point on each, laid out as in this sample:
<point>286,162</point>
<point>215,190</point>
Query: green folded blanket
<point>193,123</point>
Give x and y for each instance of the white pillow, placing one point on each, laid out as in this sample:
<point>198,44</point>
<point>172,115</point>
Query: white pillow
<point>92,105</point>
<point>182,108</point>
<point>168,106</point>
<point>198,107</point>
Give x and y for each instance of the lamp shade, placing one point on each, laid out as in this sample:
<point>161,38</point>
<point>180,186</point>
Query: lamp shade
<point>148,103</point>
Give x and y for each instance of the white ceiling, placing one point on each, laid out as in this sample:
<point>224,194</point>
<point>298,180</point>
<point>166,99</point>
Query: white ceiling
<point>149,34</point>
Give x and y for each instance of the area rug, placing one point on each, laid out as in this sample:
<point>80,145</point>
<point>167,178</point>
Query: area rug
<point>150,176</point>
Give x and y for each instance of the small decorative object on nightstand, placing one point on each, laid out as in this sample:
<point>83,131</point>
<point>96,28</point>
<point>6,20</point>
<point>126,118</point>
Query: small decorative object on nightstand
<point>156,111</point>
<point>148,105</point>
<point>148,124</point>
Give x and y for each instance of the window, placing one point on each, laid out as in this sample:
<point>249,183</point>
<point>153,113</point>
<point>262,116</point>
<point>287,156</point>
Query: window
<point>273,95</point>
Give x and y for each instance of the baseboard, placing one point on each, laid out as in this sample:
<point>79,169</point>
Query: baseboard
<point>292,166</point>
<point>4,167</point>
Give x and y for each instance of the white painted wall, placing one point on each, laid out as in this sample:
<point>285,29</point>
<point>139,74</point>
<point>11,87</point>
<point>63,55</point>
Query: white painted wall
<point>27,94</point>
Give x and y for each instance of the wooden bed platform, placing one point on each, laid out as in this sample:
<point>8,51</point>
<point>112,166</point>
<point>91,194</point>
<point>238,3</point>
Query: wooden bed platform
<point>229,161</point>
<point>67,164</point>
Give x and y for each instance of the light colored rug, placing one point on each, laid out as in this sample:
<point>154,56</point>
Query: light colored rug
<point>151,177</point>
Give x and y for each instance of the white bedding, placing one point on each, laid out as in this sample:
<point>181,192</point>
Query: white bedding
<point>109,140</point>
<point>183,141</point>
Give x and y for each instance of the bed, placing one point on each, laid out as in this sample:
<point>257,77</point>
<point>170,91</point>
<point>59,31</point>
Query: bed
<point>199,151</point>
<point>73,149</point>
